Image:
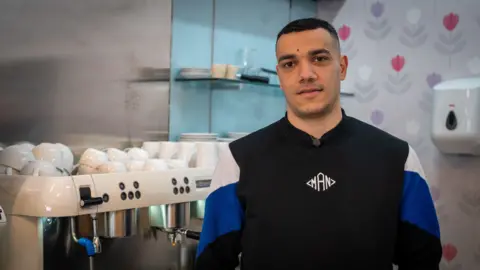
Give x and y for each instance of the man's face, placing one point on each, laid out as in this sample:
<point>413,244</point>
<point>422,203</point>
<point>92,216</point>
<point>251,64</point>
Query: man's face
<point>310,69</point>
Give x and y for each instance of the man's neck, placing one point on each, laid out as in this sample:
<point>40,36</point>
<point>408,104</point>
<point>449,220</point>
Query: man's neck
<point>316,126</point>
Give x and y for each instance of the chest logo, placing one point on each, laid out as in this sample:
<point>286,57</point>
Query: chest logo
<point>321,182</point>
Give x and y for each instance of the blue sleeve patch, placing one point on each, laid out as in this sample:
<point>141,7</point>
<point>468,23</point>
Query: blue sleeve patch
<point>223,214</point>
<point>417,204</point>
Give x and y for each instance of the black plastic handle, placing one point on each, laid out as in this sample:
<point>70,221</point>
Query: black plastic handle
<point>86,198</point>
<point>91,201</point>
<point>192,235</point>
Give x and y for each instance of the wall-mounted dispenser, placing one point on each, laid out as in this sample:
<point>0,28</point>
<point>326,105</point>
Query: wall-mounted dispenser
<point>456,116</point>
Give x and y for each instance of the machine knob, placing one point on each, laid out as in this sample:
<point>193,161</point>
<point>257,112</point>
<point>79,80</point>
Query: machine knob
<point>86,198</point>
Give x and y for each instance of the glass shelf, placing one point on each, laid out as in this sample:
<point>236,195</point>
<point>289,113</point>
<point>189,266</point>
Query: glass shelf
<point>222,83</point>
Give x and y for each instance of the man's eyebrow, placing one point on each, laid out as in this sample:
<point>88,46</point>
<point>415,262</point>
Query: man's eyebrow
<point>311,53</point>
<point>319,51</point>
<point>286,57</point>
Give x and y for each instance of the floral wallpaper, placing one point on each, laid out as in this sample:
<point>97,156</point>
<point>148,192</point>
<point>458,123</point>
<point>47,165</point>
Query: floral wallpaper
<point>398,51</point>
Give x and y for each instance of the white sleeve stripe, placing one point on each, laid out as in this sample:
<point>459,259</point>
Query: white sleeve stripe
<point>412,163</point>
<point>227,170</point>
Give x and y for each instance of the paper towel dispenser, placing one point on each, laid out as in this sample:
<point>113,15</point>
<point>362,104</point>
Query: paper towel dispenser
<point>456,116</point>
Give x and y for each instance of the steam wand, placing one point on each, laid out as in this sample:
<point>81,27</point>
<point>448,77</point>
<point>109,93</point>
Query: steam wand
<point>91,247</point>
<point>172,233</point>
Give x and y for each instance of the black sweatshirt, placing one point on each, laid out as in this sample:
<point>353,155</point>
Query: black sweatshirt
<point>355,199</point>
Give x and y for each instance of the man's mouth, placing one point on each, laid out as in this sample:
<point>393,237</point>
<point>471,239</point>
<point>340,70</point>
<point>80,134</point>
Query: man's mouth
<point>311,90</point>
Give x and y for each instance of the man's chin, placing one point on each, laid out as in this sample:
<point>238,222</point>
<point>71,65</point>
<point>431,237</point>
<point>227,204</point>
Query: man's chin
<point>313,111</point>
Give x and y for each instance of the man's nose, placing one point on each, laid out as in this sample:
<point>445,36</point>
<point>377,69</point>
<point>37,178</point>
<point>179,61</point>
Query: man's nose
<point>307,73</point>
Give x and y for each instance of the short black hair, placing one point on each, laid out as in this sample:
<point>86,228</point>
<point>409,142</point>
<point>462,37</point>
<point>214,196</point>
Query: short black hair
<point>306,24</point>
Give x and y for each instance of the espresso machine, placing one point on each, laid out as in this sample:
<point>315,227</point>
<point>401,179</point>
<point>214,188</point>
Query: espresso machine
<point>45,222</point>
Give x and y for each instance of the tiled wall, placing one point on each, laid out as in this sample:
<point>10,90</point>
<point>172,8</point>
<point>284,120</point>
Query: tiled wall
<point>398,51</point>
<point>238,25</point>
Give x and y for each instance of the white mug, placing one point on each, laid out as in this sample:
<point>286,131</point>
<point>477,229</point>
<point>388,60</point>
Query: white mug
<point>177,163</point>
<point>85,169</point>
<point>49,152</point>
<point>135,165</point>
<point>41,168</point>
<point>15,158</point>
<point>136,153</point>
<point>4,170</point>
<point>67,157</point>
<point>186,151</point>
<point>112,167</point>
<point>168,150</point>
<point>207,155</point>
<point>115,154</point>
<point>155,165</point>
<point>152,148</point>
<point>93,158</point>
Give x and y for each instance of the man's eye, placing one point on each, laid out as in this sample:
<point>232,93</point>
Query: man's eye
<point>288,65</point>
<point>320,58</point>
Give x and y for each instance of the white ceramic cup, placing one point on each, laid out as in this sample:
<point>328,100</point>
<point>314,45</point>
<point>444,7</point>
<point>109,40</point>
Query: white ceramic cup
<point>155,165</point>
<point>24,146</point>
<point>15,158</point>
<point>186,151</point>
<point>135,165</point>
<point>177,164</point>
<point>207,155</point>
<point>67,157</point>
<point>112,167</point>
<point>41,168</point>
<point>4,170</point>
<point>168,150</point>
<point>152,148</point>
<point>49,152</point>
<point>115,154</point>
<point>93,158</point>
<point>85,169</point>
<point>136,153</point>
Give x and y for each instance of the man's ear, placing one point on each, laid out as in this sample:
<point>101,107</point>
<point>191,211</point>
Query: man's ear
<point>343,67</point>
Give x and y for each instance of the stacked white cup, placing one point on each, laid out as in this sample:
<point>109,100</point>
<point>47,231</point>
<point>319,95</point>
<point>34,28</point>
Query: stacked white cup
<point>45,159</point>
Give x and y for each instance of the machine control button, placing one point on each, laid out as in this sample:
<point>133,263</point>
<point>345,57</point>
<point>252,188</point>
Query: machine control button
<point>137,194</point>
<point>105,197</point>
<point>174,181</point>
<point>185,180</point>
<point>130,195</point>
<point>182,190</point>
<point>136,184</point>
<point>121,185</point>
<point>175,190</point>
<point>187,189</point>
<point>123,196</point>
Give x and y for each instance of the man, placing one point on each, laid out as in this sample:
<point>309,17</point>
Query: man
<point>318,189</point>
